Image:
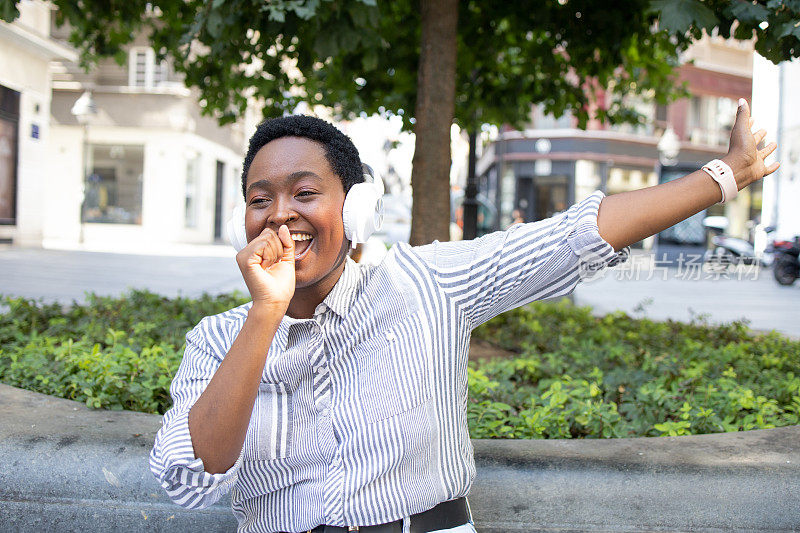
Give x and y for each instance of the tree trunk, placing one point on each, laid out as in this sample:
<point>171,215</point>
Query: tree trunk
<point>436,87</point>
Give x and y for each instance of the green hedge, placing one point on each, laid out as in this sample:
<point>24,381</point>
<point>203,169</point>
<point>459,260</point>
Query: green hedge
<point>576,375</point>
<point>112,353</point>
<point>616,376</point>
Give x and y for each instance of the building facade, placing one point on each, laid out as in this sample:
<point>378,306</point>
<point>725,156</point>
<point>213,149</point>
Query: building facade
<point>141,167</point>
<point>147,168</point>
<point>776,107</point>
<point>544,169</point>
<point>26,53</point>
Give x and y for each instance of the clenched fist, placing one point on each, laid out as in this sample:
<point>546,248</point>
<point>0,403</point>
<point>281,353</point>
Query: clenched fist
<point>267,265</point>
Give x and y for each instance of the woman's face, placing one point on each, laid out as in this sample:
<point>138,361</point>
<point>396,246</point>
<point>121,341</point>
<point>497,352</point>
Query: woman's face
<point>291,182</point>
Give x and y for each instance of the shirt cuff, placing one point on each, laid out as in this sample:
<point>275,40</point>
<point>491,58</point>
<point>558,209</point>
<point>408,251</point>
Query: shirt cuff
<point>584,239</point>
<point>182,475</point>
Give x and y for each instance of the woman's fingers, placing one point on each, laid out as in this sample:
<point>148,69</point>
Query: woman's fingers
<point>759,136</point>
<point>261,250</point>
<point>272,250</point>
<point>772,168</point>
<point>744,106</point>
<point>287,254</point>
<point>768,149</point>
<point>268,248</point>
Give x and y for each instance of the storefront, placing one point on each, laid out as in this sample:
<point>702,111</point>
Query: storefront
<point>535,176</point>
<point>25,81</point>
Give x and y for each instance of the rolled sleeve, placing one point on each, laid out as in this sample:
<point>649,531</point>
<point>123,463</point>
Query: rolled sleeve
<point>592,251</point>
<point>526,262</point>
<point>172,459</point>
<point>173,463</point>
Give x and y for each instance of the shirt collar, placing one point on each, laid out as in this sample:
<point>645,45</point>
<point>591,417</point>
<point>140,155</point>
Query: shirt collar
<point>339,300</point>
<point>343,294</point>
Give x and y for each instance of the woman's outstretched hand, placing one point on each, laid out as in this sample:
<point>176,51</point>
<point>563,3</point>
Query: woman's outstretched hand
<point>629,217</point>
<point>267,265</point>
<point>744,157</point>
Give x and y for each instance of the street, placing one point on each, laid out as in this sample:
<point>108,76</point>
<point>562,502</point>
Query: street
<point>683,294</point>
<point>64,276</point>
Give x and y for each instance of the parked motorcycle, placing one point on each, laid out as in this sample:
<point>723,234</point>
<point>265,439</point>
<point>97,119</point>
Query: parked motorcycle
<point>727,250</point>
<point>786,267</point>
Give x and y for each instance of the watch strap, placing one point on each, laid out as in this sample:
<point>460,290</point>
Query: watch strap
<point>723,175</point>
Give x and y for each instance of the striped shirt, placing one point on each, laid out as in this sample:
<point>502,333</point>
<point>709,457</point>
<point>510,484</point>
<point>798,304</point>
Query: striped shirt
<point>361,414</point>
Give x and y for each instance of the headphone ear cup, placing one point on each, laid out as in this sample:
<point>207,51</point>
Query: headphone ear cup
<point>237,235</point>
<point>362,213</point>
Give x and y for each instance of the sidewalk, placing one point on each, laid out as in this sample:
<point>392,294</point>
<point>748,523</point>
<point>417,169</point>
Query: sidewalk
<point>56,275</point>
<point>64,276</point>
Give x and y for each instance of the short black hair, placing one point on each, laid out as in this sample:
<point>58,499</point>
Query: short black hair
<point>340,151</point>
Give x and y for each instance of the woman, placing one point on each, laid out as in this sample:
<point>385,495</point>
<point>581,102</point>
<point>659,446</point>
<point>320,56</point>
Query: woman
<point>336,399</point>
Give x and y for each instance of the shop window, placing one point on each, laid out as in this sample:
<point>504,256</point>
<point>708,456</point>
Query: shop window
<point>113,187</point>
<point>711,120</point>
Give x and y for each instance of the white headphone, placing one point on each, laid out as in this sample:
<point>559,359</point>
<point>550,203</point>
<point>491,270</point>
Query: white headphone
<point>362,212</point>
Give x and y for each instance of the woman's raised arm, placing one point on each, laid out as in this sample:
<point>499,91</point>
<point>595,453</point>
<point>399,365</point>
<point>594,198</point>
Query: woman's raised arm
<point>629,217</point>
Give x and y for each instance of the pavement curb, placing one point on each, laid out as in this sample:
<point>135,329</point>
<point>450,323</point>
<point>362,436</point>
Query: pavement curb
<point>68,468</point>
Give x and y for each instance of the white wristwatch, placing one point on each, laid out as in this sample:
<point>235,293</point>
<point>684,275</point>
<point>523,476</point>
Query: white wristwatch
<point>723,175</point>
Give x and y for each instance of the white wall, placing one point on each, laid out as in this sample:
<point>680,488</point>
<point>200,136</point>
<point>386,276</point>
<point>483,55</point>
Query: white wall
<point>771,98</point>
<point>60,211</point>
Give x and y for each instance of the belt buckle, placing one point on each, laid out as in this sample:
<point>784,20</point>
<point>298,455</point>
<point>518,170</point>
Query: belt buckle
<point>353,528</point>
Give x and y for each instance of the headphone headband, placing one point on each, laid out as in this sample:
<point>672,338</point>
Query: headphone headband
<point>370,176</point>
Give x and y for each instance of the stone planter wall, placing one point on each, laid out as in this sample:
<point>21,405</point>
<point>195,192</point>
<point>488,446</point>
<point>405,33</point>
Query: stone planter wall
<point>64,467</point>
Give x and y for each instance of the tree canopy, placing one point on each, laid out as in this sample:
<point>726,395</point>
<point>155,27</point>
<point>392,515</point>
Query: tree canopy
<point>583,56</point>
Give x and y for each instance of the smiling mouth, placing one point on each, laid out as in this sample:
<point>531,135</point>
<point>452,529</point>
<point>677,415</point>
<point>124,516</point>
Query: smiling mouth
<point>302,242</point>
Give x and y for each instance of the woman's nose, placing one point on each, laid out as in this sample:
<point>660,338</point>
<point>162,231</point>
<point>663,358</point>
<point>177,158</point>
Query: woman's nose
<point>281,213</point>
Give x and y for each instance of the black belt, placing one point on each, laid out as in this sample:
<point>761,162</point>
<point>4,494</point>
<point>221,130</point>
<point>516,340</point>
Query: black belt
<point>446,515</point>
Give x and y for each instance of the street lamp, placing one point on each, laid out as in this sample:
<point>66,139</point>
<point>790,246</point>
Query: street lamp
<point>668,147</point>
<point>83,110</point>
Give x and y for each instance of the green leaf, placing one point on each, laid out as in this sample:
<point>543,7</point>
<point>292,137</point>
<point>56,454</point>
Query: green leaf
<point>370,60</point>
<point>214,24</point>
<point>9,11</point>
<point>325,44</point>
<point>679,16</point>
<point>789,28</point>
<point>749,12</point>
<point>276,14</point>
<point>307,11</point>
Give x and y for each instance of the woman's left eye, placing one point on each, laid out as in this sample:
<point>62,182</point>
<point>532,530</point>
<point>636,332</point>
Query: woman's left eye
<point>306,193</point>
